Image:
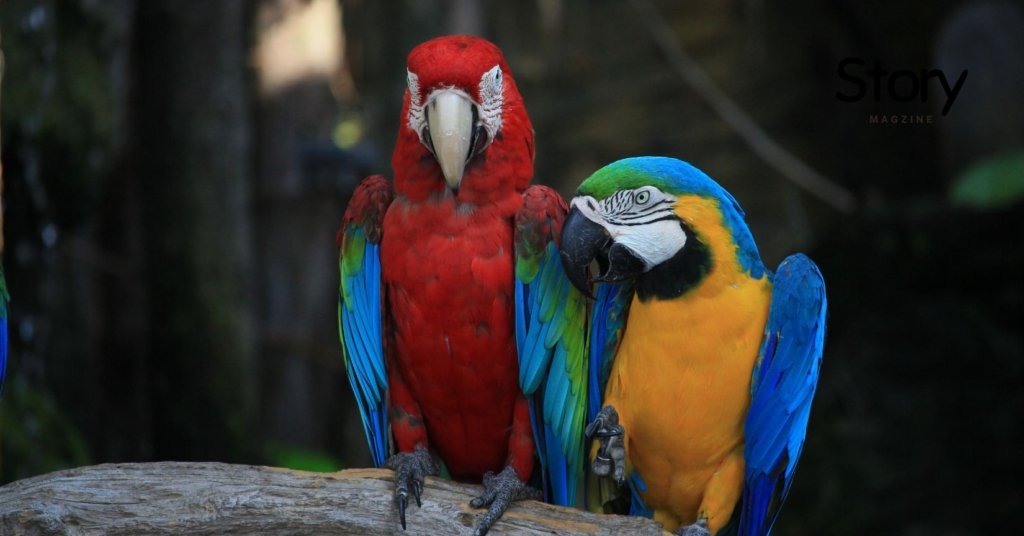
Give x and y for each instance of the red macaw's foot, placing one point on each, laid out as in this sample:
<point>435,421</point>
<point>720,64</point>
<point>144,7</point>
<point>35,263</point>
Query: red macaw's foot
<point>410,468</point>
<point>500,491</point>
<point>700,528</point>
<point>611,456</point>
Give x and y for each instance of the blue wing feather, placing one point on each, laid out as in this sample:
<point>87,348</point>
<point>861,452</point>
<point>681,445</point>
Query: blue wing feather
<point>547,311</point>
<point>359,322</point>
<point>520,297</point>
<point>637,506</point>
<point>534,357</point>
<point>608,319</point>
<point>4,300</point>
<point>782,387</point>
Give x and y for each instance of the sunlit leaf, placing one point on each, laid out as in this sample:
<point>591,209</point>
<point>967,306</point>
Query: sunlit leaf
<point>991,184</point>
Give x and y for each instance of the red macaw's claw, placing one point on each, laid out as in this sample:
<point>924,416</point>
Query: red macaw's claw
<point>500,491</point>
<point>410,469</point>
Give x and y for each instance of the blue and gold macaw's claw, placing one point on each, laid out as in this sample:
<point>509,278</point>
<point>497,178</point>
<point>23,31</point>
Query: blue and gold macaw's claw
<point>410,469</point>
<point>611,454</point>
<point>500,491</point>
<point>700,528</point>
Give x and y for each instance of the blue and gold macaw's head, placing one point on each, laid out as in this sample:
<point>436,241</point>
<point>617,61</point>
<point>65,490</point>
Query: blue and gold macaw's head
<point>658,221</point>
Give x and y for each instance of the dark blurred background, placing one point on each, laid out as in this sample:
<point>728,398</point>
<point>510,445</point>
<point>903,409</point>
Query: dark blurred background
<point>175,173</point>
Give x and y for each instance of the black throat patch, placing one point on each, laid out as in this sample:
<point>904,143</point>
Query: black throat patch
<point>676,276</point>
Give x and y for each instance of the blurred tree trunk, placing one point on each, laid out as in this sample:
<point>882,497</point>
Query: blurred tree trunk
<point>302,180</point>
<point>1,163</point>
<point>191,159</point>
<point>117,414</point>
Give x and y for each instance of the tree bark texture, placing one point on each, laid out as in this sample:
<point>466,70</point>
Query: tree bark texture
<point>218,498</point>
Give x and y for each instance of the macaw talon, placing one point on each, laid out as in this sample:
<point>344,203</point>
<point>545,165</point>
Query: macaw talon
<point>700,528</point>
<point>605,418</point>
<point>410,469</point>
<point>403,500</point>
<point>500,491</point>
<point>611,456</point>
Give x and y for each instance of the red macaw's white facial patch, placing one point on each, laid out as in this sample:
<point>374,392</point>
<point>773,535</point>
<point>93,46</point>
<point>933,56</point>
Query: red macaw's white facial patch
<point>417,119</point>
<point>488,103</point>
<point>492,98</point>
<point>642,220</point>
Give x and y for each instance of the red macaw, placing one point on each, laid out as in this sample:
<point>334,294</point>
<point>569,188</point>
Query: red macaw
<point>457,322</point>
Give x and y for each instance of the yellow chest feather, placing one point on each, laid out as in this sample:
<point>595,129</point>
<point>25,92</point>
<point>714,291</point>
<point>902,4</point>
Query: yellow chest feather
<point>681,385</point>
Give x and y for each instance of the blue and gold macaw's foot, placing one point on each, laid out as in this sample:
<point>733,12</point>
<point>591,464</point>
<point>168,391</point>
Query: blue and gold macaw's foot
<point>611,456</point>
<point>700,528</point>
<point>410,469</point>
<point>500,491</point>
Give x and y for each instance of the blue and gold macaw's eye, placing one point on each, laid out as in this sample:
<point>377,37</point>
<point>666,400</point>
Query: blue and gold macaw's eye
<point>642,205</point>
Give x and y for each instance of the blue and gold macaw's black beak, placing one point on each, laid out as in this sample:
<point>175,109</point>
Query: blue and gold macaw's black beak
<point>583,242</point>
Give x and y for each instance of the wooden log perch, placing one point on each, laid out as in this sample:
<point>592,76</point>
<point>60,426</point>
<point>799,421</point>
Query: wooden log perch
<point>218,498</point>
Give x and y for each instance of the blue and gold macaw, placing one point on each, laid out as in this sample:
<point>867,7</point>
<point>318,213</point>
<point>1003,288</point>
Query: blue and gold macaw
<point>706,361</point>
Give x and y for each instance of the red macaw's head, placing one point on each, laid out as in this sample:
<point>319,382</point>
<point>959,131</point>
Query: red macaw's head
<point>464,128</point>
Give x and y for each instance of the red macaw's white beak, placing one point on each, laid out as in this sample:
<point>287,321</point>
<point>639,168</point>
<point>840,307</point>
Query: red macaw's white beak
<point>450,121</point>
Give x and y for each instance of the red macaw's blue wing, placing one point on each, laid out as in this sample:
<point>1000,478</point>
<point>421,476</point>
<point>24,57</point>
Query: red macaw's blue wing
<point>782,388</point>
<point>4,299</point>
<point>550,323</point>
<point>359,308</point>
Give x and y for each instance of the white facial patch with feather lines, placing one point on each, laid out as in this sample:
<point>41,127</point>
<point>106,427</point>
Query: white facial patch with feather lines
<point>642,220</point>
<point>492,97</point>
<point>416,114</point>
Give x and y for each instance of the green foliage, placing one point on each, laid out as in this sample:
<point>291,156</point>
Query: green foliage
<point>991,184</point>
<point>35,435</point>
<point>301,459</point>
